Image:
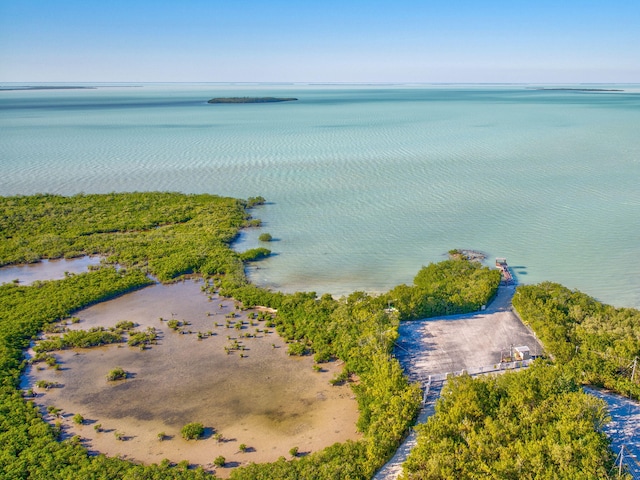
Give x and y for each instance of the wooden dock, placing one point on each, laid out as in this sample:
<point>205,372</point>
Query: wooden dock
<point>501,264</point>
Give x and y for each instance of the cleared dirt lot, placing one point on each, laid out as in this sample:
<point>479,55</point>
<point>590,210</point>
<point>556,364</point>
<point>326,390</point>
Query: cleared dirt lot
<point>469,342</point>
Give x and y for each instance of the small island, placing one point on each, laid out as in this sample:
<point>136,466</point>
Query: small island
<point>250,100</point>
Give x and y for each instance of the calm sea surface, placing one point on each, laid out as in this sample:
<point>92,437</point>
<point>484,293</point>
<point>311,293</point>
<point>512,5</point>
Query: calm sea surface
<point>365,183</point>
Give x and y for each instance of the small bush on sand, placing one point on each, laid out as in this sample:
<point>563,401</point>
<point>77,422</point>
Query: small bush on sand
<point>192,431</point>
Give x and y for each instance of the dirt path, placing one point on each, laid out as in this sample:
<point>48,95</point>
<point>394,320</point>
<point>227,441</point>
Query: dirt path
<point>624,427</point>
<point>393,468</point>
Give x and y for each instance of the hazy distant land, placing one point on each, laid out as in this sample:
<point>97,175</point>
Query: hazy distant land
<point>582,89</point>
<point>250,100</point>
<point>48,87</point>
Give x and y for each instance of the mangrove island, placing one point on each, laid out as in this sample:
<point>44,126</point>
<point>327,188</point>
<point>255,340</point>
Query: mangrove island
<point>250,100</point>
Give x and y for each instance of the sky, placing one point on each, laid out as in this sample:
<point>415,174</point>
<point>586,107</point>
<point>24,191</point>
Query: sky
<point>458,41</point>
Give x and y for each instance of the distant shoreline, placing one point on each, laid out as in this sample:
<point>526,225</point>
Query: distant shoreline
<point>62,87</point>
<point>48,87</point>
<point>582,89</point>
<point>250,100</point>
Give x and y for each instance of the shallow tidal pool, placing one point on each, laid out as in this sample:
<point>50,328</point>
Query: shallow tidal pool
<point>259,396</point>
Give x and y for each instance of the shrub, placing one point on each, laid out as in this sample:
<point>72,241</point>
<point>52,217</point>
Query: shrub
<point>125,325</point>
<point>255,254</point>
<point>78,419</point>
<point>79,339</point>
<point>45,384</point>
<point>220,461</point>
<point>253,201</point>
<point>192,431</point>
<point>297,348</point>
<point>143,339</point>
<point>54,411</point>
<point>265,237</point>
<point>116,374</point>
<point>174,324</point>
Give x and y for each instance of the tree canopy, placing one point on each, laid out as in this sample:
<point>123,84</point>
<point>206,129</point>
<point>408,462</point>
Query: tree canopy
<point>446,288</point>
<point>532,424</point>
<point>168,234</point>
<point>599,341</point>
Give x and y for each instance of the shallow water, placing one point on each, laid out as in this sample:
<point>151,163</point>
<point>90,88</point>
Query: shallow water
<point>46,269</point>
<point>264,399</point>
<point>365,184</point>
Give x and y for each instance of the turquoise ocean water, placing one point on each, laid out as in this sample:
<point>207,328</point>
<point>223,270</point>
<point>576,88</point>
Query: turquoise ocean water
<point>365,183</point>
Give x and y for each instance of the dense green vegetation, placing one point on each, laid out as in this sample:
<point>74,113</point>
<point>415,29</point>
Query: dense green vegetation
<point>163,233</point>
<point>170,234</point>
<point>192,431</point>
<point>599,341</point>
<point>532,424</point>
<point>446,288</point>
<point>117,373</point>
<point>79,339</point>
<point>167,233</point>
<point>535,424</point>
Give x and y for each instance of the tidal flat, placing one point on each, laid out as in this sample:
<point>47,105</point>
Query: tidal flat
<point>259,396</point>
<point>46,269</point>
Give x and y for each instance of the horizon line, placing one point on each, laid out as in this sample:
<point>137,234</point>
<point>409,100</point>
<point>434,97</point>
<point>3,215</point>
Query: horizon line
<point>312,83</point>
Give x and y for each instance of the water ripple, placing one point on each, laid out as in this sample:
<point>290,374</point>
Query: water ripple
<point>366,185</point>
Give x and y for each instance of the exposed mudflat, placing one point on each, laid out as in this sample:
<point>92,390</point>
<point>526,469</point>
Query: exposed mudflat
<point>258,396</point>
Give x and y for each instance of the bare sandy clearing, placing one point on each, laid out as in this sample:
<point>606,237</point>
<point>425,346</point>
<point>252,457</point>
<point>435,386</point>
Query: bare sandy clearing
<point>463,342</point>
